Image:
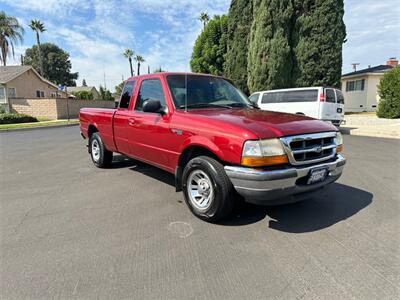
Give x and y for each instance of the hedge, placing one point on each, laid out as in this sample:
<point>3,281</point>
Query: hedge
<point>8,118</point>
<point>389,91</point>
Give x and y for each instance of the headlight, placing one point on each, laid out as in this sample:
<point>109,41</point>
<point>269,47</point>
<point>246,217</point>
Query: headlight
<point>339,142</point>
<point>263,153</point>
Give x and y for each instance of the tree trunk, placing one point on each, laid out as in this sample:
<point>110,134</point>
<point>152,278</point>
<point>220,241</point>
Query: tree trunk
<point>40,55</point>
<point>130,64</point>
<point>138,68</point>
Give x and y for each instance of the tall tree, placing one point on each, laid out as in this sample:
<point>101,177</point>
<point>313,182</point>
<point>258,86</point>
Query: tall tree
<point>128,54</point>
<point>11,33</point>
<point>56,64</point>
<point>38,27</point>
<point>269,59</point>
<point>139,59</point>
<point>318,37</point>
<point>209,50</point>
<point>204,18</point>
<point>239,24</point>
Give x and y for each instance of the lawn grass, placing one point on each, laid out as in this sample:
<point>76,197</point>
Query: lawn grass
<point>37,124</point>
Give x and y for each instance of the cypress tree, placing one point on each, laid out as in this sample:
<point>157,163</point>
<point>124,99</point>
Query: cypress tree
<point>270,57</point>
<point>318,36</point>
<point>210,47</point>
<point>239,24</point>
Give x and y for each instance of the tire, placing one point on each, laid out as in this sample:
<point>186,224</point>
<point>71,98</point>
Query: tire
<point>211,204</point>
<point>101,157</point>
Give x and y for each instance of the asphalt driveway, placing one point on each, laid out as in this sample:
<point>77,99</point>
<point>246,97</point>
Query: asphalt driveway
<point>69,230</point>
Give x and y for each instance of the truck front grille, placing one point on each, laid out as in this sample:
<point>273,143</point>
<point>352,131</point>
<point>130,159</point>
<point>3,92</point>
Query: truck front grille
<point>310,148</point>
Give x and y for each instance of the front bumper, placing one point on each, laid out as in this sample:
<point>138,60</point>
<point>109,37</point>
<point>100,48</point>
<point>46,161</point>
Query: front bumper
<point>263,186</point>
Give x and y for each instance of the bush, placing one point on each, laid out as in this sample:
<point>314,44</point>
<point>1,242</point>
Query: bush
<point>83,95</point>
<point>16,118</point>
<point>389,91</point>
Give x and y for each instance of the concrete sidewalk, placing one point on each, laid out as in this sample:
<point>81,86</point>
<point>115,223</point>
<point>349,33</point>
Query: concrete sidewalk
<point>371,125</point>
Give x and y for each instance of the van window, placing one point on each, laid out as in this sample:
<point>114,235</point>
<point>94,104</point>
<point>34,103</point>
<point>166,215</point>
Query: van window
<point>290,96</point>
<point>254,98</point>
<point>329,96</point>
<point>127,94</point>
<point>340,98</point>
<point>151,89</point>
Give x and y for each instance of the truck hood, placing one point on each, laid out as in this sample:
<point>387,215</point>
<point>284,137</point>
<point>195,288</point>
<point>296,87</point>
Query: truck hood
<point>266,124</point>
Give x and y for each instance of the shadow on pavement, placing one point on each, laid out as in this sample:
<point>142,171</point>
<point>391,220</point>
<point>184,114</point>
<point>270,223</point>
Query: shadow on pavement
<point>337,203</point>
<point>121,161</point>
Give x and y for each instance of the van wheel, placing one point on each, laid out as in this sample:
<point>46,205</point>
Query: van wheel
<point>101,157</point>
<point>208,192</point>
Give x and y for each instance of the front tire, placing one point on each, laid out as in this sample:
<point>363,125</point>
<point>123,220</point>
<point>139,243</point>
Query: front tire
<point>101,157</point>
<point>208,192</point>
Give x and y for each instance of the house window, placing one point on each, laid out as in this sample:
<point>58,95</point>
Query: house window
<point>355,85</point>
<point>54,95</point>
<point>39,94</point>
<point>2,95</point>
<point>12,93</point>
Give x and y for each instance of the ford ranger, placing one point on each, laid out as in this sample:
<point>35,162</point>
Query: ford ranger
<point>217,144</point>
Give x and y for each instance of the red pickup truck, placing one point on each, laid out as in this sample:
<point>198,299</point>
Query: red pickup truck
<point>217,144</point>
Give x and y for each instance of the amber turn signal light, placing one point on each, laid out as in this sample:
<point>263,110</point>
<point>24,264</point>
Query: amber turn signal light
<point>264,161</point>
<point>339,148</point>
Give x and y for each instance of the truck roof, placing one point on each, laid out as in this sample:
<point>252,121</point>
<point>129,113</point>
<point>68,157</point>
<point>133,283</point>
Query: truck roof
<point>157,75</point>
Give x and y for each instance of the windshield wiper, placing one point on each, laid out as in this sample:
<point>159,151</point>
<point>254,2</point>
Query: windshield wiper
<point>247,105</point>
<point>203,105</point>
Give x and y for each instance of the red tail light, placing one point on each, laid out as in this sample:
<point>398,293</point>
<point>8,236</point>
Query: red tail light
<point>322,97</point>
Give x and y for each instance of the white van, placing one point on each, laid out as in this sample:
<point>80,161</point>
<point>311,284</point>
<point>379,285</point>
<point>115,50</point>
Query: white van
<point>317,102</point>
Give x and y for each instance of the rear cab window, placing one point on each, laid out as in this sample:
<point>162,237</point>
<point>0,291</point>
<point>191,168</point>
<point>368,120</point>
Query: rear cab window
<point>290,96</point>
<point>127,94</point>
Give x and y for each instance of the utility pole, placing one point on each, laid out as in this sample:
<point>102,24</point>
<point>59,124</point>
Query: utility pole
<point>148,69</point>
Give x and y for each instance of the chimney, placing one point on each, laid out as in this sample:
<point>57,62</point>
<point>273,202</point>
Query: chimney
<point>392,62</point>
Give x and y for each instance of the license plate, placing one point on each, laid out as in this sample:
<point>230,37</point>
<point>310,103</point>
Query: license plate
<point>317,175</point>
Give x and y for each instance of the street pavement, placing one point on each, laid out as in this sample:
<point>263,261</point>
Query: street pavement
<point>72,231</point>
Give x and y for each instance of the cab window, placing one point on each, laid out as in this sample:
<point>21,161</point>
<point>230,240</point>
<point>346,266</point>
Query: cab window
<point>127,94</point>
<point>151,89</point>
<point>254,98</point>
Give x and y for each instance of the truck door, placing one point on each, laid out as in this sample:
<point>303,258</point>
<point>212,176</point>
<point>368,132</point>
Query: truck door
<point>149,133</point>
<point>122,119</point>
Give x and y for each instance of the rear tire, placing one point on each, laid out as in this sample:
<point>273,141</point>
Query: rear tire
<point>101,157</point>
<point>208,192</point>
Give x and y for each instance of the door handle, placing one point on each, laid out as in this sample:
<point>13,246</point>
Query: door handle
<point>131,122</point>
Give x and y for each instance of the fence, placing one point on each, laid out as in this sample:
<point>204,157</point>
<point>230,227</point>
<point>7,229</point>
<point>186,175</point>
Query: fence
<point>53,108</point>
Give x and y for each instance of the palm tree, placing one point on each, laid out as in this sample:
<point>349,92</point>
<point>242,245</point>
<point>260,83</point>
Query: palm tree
<point>139,59</point>
<point>128,54</point>
<point>10,33</point>
<point>38,27</point>
<point>204,17</point>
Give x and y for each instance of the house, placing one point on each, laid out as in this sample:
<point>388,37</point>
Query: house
<point>25,82</point>
<point>91,89</point>
<point>360,88</point>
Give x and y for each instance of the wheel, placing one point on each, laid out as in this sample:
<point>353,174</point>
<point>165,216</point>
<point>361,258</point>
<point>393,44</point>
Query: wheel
<point>101,157</point>
<point>207,189</point>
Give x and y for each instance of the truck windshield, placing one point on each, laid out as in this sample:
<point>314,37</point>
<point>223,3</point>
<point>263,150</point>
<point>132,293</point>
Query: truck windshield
<point>199,91</point>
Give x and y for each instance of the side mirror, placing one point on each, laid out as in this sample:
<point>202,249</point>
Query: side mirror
<point>154,106</point>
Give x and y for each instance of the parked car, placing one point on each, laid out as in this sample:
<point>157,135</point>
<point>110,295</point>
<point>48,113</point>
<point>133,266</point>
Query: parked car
<point>321,103</point>
<point>219,147</point>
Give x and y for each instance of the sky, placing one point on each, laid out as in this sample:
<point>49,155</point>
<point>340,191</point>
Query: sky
<point>96,32</point>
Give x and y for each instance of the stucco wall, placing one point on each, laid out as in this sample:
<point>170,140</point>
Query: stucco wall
<point>28,83</point>
<point>55,108</point>
<point>366,100</point>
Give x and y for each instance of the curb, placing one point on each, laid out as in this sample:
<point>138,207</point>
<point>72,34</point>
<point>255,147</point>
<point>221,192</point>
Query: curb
<point>38,127</point>
<point>376,134</point>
